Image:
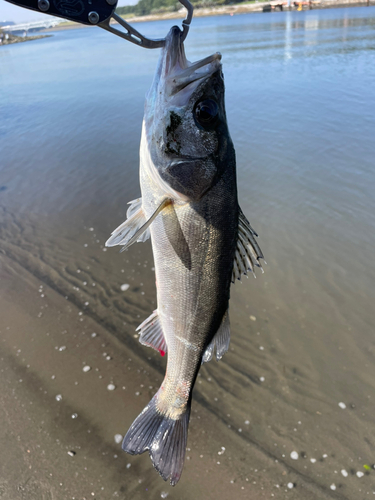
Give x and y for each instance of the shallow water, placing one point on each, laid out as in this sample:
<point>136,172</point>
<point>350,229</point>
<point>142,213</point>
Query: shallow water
<point>300,100</point>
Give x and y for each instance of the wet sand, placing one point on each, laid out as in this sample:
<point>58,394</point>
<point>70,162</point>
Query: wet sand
<point>250,411</point>
<point>59,422</point>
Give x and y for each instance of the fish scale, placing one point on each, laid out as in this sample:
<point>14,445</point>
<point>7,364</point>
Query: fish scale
<point>192,302</point>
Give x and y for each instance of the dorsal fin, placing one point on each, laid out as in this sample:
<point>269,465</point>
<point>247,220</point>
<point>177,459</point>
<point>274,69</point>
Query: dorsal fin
<point>248,251</point>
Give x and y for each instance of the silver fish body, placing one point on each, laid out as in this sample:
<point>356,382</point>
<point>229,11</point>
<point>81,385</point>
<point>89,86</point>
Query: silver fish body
<point>200,240</point>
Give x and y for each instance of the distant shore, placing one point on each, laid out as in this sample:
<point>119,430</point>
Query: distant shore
<point>227,10</point>
<point>7,40</point>
<point>245,9</point>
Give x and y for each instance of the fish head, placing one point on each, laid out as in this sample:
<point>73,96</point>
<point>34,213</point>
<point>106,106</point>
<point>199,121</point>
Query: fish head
<point>185,122</point>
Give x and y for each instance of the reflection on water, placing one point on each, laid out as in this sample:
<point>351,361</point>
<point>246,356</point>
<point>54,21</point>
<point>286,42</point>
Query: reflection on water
<point>300,103</point>
<point>314,29</point>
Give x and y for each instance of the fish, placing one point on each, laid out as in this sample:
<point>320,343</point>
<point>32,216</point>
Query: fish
<point>201,240</point>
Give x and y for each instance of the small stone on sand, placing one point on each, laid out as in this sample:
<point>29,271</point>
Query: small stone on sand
<point>118,438</point>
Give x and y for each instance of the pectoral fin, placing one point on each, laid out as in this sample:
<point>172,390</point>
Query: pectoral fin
<point>221,341</point>
<point>248,252</point>
<point>136,227</point>
<point>152,333</point>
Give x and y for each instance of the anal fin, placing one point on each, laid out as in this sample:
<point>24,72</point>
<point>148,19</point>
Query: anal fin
<point>221,341</point>
<point>152,333</point>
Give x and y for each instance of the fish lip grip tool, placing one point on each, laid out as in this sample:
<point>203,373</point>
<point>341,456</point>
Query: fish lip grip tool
<point>100,13</point>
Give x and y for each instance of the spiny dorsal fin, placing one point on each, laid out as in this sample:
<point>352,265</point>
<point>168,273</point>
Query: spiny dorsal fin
<point>135,228</point>
<point>152,333</point>
<point>248,252</point>
<point>221,341</point>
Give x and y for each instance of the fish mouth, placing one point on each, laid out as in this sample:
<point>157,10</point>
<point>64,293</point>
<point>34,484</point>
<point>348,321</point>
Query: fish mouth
<point>178,72</point>
<point>185,159</point>
<point>191,74</point>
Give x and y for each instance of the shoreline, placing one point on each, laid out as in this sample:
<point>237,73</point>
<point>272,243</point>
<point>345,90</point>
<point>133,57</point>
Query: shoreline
<point>222,11</point>
<point>243,9</point>
<point>18,39</point>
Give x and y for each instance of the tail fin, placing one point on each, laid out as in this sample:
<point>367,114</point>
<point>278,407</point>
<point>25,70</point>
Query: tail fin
<point>164,438</point>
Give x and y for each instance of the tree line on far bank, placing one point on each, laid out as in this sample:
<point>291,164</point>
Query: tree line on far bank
<point>145,7</point>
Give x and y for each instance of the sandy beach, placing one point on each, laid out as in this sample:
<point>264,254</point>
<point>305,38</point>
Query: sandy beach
<point>60,421</point>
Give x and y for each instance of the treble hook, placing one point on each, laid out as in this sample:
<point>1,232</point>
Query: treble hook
<point>132,35</point>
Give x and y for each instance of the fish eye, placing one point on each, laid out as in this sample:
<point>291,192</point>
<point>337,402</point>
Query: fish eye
<point>206,112</point>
